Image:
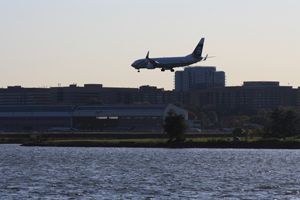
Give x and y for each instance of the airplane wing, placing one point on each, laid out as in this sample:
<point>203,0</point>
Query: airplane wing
<point>153,62</point>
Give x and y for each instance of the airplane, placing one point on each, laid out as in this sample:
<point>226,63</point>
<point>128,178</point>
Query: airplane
<point>170,62</point>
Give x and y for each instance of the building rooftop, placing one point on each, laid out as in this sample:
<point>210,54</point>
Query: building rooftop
<point>260,83</point>
<point>37,108</point>
<point>123,107</point>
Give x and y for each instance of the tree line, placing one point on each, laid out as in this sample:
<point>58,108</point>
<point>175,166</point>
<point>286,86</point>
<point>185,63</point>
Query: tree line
<point>278,123</point>
<point>283,122</point>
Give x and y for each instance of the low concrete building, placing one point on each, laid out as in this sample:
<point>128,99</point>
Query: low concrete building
<point>87,118</point>
<point>123,117</point>
<point>42,118</point>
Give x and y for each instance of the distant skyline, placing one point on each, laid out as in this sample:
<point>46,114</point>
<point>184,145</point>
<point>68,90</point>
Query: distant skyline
<point>46,43</point>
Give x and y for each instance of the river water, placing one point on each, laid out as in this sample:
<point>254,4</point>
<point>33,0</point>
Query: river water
<point>147,173</point>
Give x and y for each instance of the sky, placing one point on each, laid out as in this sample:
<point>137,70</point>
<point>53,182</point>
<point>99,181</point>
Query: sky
<point>52,42</point>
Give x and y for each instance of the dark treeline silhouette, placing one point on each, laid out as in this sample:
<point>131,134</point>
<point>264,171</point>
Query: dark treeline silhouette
<point>278,123</point>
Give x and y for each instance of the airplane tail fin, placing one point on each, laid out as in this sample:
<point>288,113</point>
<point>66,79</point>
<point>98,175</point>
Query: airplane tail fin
<point>198,50</point>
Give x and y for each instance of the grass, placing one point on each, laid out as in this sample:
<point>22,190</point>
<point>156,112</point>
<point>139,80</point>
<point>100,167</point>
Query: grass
<point>210,142</point>
<point>113,140</point>
<point>11,138</point>
<point>156,140</point>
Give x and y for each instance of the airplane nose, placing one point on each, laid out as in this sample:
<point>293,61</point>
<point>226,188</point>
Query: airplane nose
<point>133,65</point>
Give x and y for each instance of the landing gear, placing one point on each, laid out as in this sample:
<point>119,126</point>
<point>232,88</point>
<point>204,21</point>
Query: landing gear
<point>162,69</point>
<point>172,70</point>
<point>138,70</point>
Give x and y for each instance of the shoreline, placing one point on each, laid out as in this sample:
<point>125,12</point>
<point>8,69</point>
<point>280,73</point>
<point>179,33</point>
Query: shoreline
<point>264,144</point>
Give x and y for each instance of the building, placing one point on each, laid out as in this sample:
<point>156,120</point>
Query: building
<point>86,118</point>
<point>34,117</point>
<point>298,97</point>
<point>17,95</point>
<point>253,95</point>
<point>123,117</point>
<point>202,78</point>
<point>77,95</point>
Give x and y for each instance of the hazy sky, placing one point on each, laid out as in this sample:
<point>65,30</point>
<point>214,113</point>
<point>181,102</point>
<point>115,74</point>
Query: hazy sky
<point>43,43</point>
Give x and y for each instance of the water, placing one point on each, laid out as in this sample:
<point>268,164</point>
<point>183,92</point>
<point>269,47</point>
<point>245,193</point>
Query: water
<point>137,173</point>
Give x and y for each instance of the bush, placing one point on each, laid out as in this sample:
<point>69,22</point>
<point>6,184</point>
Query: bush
<point>238,131</point>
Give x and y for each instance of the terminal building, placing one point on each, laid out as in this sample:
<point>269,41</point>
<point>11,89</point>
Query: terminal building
<point>86,118</point>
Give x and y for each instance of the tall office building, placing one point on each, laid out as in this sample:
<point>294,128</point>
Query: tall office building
<point>202,78</point>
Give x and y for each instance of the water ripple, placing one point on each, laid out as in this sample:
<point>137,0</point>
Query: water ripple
<point>137,173</point>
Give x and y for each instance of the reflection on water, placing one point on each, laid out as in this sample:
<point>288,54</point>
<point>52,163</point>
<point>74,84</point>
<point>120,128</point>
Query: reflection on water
<point>137,173</point>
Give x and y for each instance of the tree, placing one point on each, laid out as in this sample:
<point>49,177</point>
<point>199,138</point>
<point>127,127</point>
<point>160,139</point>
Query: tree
<point>262,112</point>
<point>208,107</point>
<point>290,123</point>
<point>238,131</point>
<point>233,121</point>
<point>276,129</point>
<point>178,104</point>
<point>201,116</point>
<point>258,132</point>
<point>286,108</point>
<point>258,119</point>
<point>193,107</point>
<point>191,115</point>
<point>207,121</point>
<point>212,116</point>
<point>175,126</point>
<point>283,124</point>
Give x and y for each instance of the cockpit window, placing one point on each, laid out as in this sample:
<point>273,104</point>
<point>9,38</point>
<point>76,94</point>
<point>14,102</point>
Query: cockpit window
<point>137,62</point>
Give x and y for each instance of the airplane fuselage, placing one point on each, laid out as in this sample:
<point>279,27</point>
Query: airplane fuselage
<point>166,63</point>
<point>170,62</point>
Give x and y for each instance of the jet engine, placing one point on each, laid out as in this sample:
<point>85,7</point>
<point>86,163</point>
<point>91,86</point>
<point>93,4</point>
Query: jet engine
<point>150,66</point>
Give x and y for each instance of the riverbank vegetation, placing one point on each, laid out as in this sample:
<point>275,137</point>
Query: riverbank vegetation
<point>255,143</point>
<point>212,116</point>
<point>219,141</point>
<point>279,128</point>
